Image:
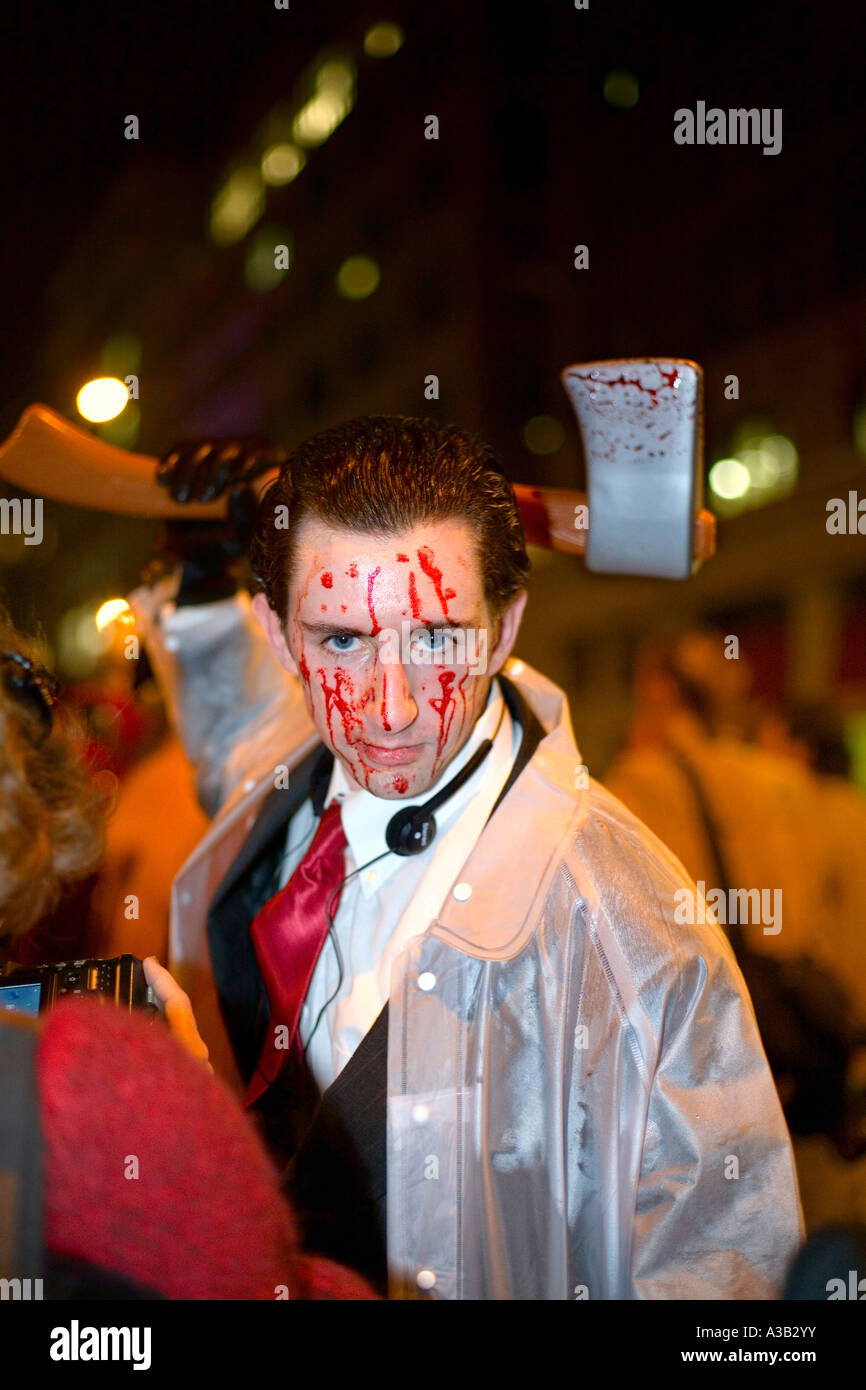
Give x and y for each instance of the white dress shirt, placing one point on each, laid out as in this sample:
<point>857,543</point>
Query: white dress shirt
<point>396,898</point>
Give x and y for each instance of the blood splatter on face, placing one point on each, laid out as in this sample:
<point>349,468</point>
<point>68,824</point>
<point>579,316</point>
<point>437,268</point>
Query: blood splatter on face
<point>426,561</point>
<point>393,718</point>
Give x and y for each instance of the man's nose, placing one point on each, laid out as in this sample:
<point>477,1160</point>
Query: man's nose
<point>394,708</point>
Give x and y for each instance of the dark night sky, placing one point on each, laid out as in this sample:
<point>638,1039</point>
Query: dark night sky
<point>71,74</point>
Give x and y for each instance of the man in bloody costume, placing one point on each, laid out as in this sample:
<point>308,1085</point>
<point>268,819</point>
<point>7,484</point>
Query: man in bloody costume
<point>499,1066</point>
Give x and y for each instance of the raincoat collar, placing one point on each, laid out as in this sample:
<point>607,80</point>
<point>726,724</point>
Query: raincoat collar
<point>546,801</point>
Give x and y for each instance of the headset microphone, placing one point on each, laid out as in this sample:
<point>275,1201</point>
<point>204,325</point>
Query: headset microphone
<point>412,829</point>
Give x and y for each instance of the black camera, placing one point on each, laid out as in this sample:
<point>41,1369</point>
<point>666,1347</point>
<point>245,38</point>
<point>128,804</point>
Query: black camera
<point>33,989</point>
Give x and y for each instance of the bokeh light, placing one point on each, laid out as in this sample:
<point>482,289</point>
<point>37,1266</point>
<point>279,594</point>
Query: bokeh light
<point>260,269</point>
<point>331,103</point>
<point>383,40</point>
<point>111,610</point>
<point>237,206</point>
<point>762,468</point>
<point>358,277</point>
<point>102,399</point>
<point>543,434</point>
<point>282,163</point>
<point>729,478</point>
<point>621,89</point>
<point>80,643</point>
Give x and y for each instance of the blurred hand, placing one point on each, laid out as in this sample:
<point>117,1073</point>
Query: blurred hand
<point>176,1009</point>
<point>202,470</point>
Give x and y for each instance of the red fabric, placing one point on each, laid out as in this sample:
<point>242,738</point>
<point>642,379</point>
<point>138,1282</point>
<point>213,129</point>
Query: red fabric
<point>288,935</point>
<point>204,1218</point>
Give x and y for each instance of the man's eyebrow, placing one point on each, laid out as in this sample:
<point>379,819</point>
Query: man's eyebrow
<point>332,629</point>
<point>343,629</point>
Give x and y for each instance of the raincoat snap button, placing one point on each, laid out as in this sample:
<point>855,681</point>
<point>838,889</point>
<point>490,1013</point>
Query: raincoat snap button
<point>425,1279</point>
<point>421,1114</point>
<point>462,891</point>
<point>426,980</point>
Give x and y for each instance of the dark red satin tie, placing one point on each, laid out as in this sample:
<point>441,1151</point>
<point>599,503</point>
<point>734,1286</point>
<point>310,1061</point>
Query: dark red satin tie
<point>288,935</point>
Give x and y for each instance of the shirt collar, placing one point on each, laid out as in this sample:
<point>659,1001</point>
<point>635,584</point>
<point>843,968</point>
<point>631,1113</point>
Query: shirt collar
<point>365,816</point>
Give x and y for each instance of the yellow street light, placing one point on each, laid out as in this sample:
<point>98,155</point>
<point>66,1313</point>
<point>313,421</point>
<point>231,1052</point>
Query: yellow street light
<point>111,610</point>
<point>102,399</point>
<point>358,277</point>
<point>383,40</point>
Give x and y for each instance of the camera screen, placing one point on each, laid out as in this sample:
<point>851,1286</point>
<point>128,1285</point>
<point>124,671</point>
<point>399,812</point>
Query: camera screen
<point>21,999</point>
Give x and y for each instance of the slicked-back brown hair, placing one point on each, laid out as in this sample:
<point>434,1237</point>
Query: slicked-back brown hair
<point>384,474</point>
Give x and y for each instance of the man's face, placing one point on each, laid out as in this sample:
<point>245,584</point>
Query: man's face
<point>394,644</point>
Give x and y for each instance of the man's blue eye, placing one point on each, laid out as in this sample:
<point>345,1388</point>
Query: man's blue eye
<point>340,637</point>
<point>437,638</point>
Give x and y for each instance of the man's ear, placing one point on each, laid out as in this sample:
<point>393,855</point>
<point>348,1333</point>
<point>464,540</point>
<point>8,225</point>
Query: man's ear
<point>509,626</point>
<point>273,631</point>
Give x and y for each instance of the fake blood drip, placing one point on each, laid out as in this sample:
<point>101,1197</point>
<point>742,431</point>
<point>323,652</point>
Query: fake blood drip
<point>302,665</point>
<point>385,723</point>
<point>445,702</point>
<point>425,560</point>
<point>460,684</point>
<point>336,698</point>
<point>400,783</point>
<point>371,579</point>
<point>327,580</point>
<point>413,596</point>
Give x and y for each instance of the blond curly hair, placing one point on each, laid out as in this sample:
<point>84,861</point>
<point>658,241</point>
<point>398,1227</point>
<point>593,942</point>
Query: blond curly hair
<point>52,815</point>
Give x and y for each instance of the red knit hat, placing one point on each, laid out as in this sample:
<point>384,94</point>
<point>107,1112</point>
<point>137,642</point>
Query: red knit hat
<point>153,1171</point>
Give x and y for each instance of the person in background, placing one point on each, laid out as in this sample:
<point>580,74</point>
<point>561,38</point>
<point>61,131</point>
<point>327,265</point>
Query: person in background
<point>689,773</point>
<point>832,1168</point>
<point>745,816</point>
<point>810,735</point>
<point>52,811</point>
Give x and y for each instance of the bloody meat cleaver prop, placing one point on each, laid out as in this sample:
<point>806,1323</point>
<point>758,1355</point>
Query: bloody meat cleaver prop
<point>643,490</point>
<point>642,425</point>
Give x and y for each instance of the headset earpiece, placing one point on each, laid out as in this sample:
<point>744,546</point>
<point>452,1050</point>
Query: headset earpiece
<point>410,831</point>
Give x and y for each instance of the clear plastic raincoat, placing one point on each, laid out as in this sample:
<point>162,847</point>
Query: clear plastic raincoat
<point>579,1105</point>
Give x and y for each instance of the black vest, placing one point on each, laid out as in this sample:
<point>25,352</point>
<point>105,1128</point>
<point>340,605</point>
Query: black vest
<point>332,1146</point>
